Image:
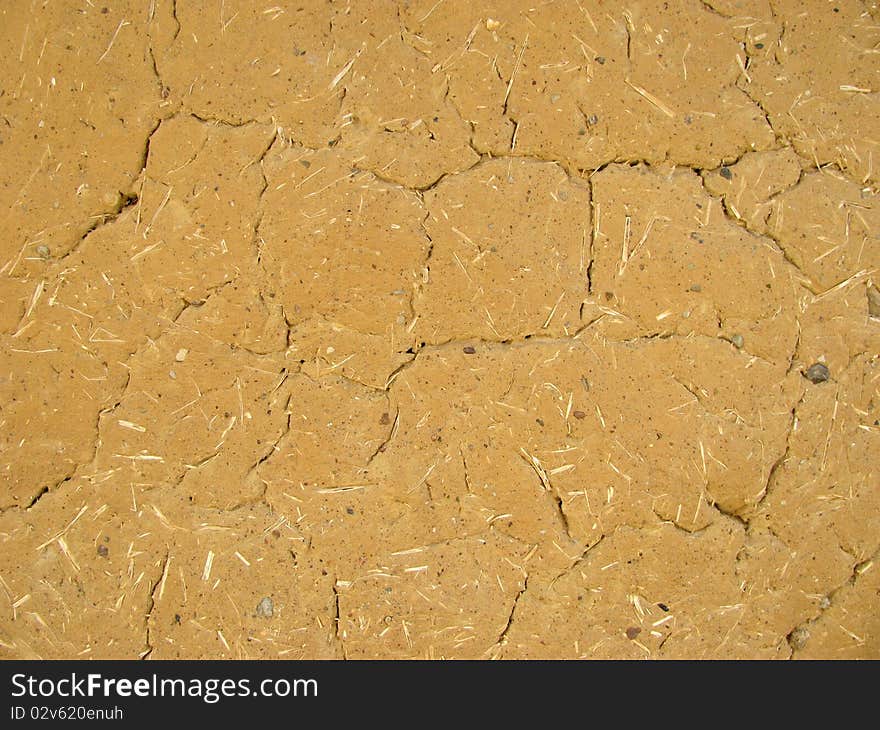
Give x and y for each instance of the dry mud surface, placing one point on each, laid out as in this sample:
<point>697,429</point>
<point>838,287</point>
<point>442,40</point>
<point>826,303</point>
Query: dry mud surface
<point>439,329</point>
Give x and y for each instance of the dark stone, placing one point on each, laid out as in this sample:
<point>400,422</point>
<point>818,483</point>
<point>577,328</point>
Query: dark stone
<point>817,373</point>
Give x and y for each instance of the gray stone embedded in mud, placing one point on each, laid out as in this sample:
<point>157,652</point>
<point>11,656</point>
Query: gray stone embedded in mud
<point>798,638</point>
<point>817,373</point>
<point>873,301</point>
<point>265,608</point>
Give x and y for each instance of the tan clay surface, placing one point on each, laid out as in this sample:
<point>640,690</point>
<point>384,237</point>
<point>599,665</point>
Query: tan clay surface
<point>440,329</point>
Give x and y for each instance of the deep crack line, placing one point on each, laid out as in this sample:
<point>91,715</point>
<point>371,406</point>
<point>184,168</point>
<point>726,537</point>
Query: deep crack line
<point>275,447</point>
<point>549,489</point>
<point>772,474</point>
<point>384,444</point>
<point>157,588</point>
<point>501,641</point>
<point>124,201</point>
<point>775,242</point>
<point>338,633</point>
<point>78,468</point>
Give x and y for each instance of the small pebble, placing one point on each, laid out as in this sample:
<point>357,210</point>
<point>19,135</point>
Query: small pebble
<point>580,415</point>
<point>696,288</point>
<point>592,120</point>
<point>103,551</point>
<point>468,350</point>
<point>873,301</point>
<point>825,603</point>
<point>737,341</point>
<point>632,632</point>
<point>817,373</point>
<point>798,638</point>
<point>181,354</point>
<point>265,608</point>
<point>554,98</point>
<point>43,251</point>
<point>600,60</point>
<point>726,173</point>
<point>384,420</point>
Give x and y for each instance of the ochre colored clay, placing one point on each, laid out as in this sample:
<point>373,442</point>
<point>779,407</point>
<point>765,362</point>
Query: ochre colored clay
<point>439,329</point>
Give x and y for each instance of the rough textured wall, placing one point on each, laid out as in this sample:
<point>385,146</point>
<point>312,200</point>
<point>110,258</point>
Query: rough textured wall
<point>439,329</point>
